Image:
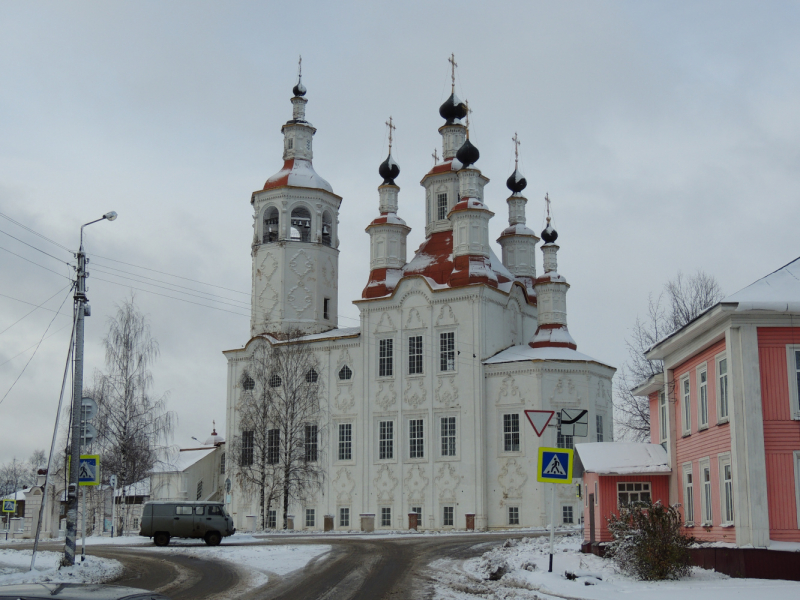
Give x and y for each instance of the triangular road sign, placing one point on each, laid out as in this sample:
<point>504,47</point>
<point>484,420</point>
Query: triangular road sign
<point>539,419</point>
<point>555,468</point>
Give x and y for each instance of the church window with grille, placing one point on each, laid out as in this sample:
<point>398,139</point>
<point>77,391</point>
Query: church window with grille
<point>564,441</point>
<point>416,440</point>
<point>386,440</point>
<point>248,438</point>
<point>248,384</point>
<point>311,376</point>
<point>345,373</point>
<point>273,446</point>
<point>415,355</point>
<point>447,351</point>
<point>511,433</point>
<point>311,443</point>
<point>448,436</point>
<point>385,358</point>
<point>275,381</point>
<point>345,441</point>
<point>441,206</point>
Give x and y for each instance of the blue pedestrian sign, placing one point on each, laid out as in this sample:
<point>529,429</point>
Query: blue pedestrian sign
<point>555,465</point>
<point>89,472</point>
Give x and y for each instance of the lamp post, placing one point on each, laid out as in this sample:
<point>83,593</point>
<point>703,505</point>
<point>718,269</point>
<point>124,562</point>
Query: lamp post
<point>81,310</point>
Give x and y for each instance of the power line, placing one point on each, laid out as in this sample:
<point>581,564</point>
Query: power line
<point>32,311</point>
<point>37,347</point>
<point>29,347</point>
<point>44,237</point>
<point>35,248</point>
<point>34,263</point>
<point>168,274</point>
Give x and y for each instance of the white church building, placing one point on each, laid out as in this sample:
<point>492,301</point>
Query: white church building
<point>426,397</point>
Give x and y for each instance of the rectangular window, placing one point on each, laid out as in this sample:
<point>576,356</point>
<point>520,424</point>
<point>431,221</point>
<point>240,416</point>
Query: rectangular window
<point>183,510</point>
<point>722,370</point>
<point>310,517</point>
<point>687,406</point>
<point>797,378</point>
<point>447,351</point>
<point>448,436</point>
<point>345,441</point>
<point>386,440</point>
<point>416,439</point>
<point>248,438</point>
<point>567,516</point>
<point>441,206</point>
<point>707,506</point>
<point>511,433</point>
<point>629,492</point>
<point>448,518</point>
<point>599,422</point>
<point>273,446</point>
<point>662,416</point>
<point>386,516</point>
<point>200,510</point>
<point>513,515</point>
<point>415,355</point>
<point>222,464</point>
<point>344,517</point>
<point>385,358</point>
<point>199,490</point>
<point>688,495</point>
<point>702,398</point>
<point>727,482</point>
<point>326,308</point>
<point>311,445</point>
<point>418,510</point>
<point>272,519</point>
<point>564,441</point>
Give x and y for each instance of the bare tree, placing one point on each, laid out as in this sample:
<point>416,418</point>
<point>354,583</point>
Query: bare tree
<point>682,300</point>
<point>134,428</point>
<point>281,423</point>
<point>17,474</point>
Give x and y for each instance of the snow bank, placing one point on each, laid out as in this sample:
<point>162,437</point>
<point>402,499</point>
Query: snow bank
<point>518,569</point>
<point>14,565</point>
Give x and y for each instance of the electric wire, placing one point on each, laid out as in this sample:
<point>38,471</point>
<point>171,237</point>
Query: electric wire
<point>34,263</point>
<point>32,311</point>
<point>34,247</point>
<point>44,237</point>
<point>37,348</point>
<point>56,332</point>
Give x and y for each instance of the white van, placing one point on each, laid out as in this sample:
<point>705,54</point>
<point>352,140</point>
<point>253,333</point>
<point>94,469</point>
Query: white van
<point>162,520</point>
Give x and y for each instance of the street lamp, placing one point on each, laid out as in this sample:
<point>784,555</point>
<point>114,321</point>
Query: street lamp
<point>81,310</point>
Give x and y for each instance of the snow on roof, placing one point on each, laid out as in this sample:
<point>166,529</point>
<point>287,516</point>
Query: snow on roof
<point>779,291</point>
<point>623,458</point>
<point>300,173</point>
<point>524,353</point>
<point>18,495</point>
<point>333,333</point>
<point>185,459</point>
<point>140,488</point>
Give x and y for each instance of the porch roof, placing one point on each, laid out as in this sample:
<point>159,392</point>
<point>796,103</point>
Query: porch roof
<point>623,458</point>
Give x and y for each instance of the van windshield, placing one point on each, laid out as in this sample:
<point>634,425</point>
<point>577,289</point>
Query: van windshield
<point>215,510</point>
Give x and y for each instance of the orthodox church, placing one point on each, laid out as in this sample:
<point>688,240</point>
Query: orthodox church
<point>426,397</point>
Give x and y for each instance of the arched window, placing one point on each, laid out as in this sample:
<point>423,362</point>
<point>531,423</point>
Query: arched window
<point>270,225</point>
<point>275,381</point>
<point>248,384</point>
<point>345,373</point>
<point>327,229</point>
<point>311,376</point>
<point>301,225</point>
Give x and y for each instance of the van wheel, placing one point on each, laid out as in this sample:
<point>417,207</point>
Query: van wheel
<point>161,539</point>
<point>213,538</point>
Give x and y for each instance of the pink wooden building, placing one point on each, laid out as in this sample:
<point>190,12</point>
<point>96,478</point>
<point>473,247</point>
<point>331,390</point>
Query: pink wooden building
<point>727,411</point>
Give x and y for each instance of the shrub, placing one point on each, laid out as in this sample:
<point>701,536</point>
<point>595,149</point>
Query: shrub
<point>648,543</point>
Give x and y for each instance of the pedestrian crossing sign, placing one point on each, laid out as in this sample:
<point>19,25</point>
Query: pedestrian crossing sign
<point>89,471</point>
<point>9,506</point>
<point>555,465</point>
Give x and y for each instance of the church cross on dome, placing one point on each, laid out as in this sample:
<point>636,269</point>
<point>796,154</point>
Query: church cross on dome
<point>453,65</point>
<point>391,129</point>
<point>469,110</point>
<point>516,141</point>
<point>300,67</point>
<point>435,156</point>
<point>547,201</point>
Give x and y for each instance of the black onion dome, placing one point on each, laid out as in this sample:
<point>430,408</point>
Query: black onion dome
<point>516,183</point>
<point>549,235</point>
<point>453,109</point>
<point>299,89</point>
<point>467,154</point>
<point>389,170</point>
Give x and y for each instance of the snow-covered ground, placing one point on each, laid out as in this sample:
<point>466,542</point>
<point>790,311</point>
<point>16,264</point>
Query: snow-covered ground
<point>14,565</point>
<point>525,563</point>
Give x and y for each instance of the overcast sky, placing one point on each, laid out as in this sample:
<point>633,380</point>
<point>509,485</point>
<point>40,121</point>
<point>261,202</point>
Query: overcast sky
<point>667,135</point>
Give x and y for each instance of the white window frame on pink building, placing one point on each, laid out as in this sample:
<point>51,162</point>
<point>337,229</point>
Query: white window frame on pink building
<point>718,383</point>
<point>794,394</point>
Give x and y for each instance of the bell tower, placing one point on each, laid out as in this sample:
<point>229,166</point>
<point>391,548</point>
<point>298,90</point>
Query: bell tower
<point>295,238</point>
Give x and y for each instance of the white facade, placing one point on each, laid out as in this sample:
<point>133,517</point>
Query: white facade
<point>461,371</point>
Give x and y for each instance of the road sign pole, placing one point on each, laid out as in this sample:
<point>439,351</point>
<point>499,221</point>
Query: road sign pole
<point>83,510</point>
<point>113,504</point>
<point>552,524</point>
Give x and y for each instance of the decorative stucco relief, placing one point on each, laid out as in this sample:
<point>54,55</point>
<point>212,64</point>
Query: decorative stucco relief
<point>415,483</point>
<point>447,482</point>
<point>268,298</point>
<point>329,273</point>
<point>414,320</point>
<point>385,324</point>
<point>344,400</point>
<point>565,393</point>
<point>385,483</point>
<point>343,484</point>
<point>415,392</point>
<point>386,395</point>
<point>511,478</point>
<point>603,392</point>
<point>509,391</point>
<point>344,359</point>
<point>446,316</point>
<point>447,391</point>
<point>300,296</point>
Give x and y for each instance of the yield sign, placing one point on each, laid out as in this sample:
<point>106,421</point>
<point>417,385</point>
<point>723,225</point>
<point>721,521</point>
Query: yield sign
<point>539,419</point>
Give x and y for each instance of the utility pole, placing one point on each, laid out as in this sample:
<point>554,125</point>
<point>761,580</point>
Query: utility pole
<point>81,310</point>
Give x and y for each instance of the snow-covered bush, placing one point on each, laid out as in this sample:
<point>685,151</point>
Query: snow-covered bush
<point>648,543</point>
<point>493,564</point>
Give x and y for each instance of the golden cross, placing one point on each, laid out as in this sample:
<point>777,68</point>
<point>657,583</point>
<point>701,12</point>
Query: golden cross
<point>469,110</point>
<point>547,201</point>
<point>391,128</point>
<point>435,156</point>
<point>453,65</point>
<point>516,141</point>
<point>300,67</point>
